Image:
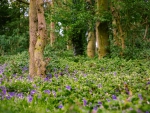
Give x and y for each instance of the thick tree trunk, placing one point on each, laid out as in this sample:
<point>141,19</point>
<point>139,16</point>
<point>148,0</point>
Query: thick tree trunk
<point>102,33</point>
<point>33,31</point>
<point>91,44</point>
<point>40,64</point>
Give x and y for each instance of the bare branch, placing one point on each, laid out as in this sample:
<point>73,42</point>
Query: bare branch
<point>25,2</point>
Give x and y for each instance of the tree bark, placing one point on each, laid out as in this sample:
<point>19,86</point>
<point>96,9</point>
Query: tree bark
<point>33,31</point>
<point>52,26</point>
<point>91,34</point>
<point>40,64</point>
<point>91,44</point>
<point>102,33</point>
<point>118,33</point>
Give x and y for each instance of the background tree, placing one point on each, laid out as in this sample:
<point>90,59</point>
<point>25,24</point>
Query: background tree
<point>91,39</point>
<point>102,33</point>
<point>14,27</point>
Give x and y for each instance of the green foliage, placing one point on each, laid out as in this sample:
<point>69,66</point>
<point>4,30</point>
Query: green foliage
<point>76,84</point>
<point>14,33</point>
<point>14,43</point>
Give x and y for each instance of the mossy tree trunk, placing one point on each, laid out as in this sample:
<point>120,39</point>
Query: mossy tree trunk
<point>91,44</point>
<point>33,31</point>
<point>102,33</point>
<point>40,64</point>
<point>118,33</point>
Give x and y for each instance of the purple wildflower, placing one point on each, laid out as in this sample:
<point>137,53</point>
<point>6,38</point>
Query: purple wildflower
<point>8,97</point>
<point>114,97</point>
<point>95,108</point>
<point>24,69</point>
<point>47,91</point>
<point>4,91</point>
<point>140,97</point>
<point>56,75</point>
<point>61,73</point>
<point>32,92</point>
<point>84,102</point>
<point>147,112</point>
<point>60,106</point>
<point>148,82</point>
<point>20,95</point>
<point>68,88</point>
<point>29,98</point>
<point>49,76</point>
<point>100,103</point>
<point>11,94</point>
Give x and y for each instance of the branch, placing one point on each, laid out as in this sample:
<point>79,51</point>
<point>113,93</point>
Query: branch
<point>27,3</point>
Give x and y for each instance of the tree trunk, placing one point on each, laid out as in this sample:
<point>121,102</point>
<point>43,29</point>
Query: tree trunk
<point>118,33</point>
<point>52,26</point>
<point>40,64</point>
<point>91,44</point>
<point>33,32</point>
<point>52,33</point>
<point>102,33</point>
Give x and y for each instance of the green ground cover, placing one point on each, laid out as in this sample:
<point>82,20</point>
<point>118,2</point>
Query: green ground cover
<point>75,85</point>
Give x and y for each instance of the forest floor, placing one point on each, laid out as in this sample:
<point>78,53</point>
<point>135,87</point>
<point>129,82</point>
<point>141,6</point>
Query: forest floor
<point>75,85</point>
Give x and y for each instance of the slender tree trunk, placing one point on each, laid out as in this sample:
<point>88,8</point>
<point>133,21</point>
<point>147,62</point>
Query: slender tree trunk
<point>33,31</point>
<point>40,64</point>
<point>52,26</point>
<point>102,33</point>
<point>91,44</point>
<point>52,33</point>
